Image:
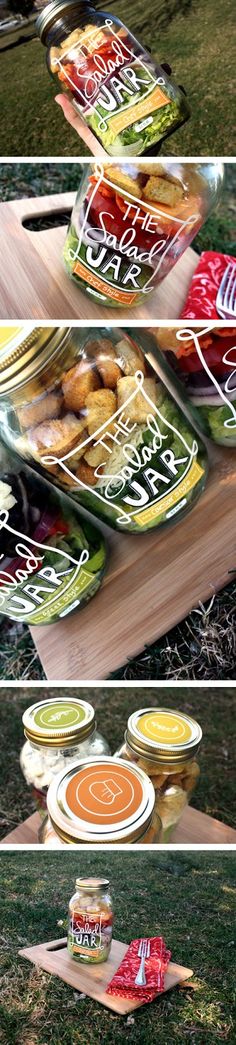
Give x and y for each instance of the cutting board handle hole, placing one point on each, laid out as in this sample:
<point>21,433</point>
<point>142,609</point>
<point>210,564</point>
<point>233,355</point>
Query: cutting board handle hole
<point>51,220</point>
<point>59,945</point>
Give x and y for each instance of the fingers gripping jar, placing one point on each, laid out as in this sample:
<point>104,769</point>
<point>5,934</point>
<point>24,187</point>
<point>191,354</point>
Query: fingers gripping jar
<point>203,368</point>
<point>101,800</point>
<point>127,100</point>
<point>132,221</point>
<point>90,921</point>
<point>96,417</point>
<point>164,744</point>
<point>57,733</point>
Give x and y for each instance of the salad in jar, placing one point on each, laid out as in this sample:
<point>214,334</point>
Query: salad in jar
<point>130,224</point>
<point>204,361</point>
<point>51,562</point>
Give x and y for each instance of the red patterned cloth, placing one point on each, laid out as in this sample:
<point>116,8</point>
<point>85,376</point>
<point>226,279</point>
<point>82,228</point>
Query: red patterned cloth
<point>123,982</point>
<point>201,299</point>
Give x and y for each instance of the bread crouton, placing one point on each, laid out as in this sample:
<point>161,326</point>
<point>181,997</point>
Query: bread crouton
<point>57,437</point>
<point>138,409</point>
<point>47,406</point>
<point>95,455</point>
<point>161,190</point>
<point>100,405</point>
<point>77,383</point>
<point>130,359</point>
<point>104,355</point>
<point>124,181</point>
<point>86,474</point>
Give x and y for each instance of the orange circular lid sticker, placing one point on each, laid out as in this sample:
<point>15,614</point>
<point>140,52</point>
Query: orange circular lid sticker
<point>104,794</point>
<point>161,727</point>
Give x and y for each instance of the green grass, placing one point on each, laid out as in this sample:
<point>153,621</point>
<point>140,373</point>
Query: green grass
<point>213,708</point>
<point>188,898</point>
<point>194,37</point>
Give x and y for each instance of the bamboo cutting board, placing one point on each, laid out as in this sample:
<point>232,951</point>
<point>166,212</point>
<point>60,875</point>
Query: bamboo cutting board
<point>194,827</point>
<point>94,979</point>
<point>153,581</point>
<point>34,285</point>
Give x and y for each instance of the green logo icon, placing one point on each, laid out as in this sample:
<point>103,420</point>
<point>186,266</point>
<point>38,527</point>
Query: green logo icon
<point>59,715</point>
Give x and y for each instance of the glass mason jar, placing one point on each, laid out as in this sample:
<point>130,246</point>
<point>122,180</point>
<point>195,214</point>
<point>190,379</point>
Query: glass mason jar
<point>57,732</point>
<point>132,221</point>
<point>101,800</point>
<point>122,94</point>
<point>203,368</point>
<point>52,560</point>
<point>92,413</point>
<point>164,744</point>
<point>90,921</point>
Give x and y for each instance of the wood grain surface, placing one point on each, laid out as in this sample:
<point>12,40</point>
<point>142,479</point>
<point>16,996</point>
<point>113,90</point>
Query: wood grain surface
<point>153,581</point>
<point>34,285</point>
<point>94,979</point>
<point>194,827</point>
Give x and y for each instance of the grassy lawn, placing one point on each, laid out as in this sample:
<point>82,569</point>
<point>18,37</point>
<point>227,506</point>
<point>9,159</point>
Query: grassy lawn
<point>188,898</point>
<point>194,37</point>
<point>214,709</point>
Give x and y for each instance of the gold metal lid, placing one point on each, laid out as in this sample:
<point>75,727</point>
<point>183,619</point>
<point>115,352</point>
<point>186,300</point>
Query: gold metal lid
<point>101,799</point>
<point>58,723</point>
<point>24,351</point>
<point>92,884</point>
<point>56,10</point>
<point>163,735</point>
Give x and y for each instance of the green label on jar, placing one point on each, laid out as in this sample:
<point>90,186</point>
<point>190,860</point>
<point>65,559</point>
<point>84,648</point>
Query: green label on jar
<point>59,714</point>
<point>40,582</point>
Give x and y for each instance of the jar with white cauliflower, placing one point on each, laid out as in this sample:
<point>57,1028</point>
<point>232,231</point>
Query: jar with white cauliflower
<point>164,743</point>
<point>57,732</point>
<point>90,921</point>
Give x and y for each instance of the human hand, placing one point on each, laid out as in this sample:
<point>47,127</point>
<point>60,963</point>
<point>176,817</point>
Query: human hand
<point>75,121</point>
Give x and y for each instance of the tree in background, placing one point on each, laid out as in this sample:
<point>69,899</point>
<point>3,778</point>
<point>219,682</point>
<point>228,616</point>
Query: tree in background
<point>21,7</point>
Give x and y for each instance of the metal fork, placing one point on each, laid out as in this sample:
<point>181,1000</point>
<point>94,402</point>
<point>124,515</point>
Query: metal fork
<point>143,953</point>
<point>226,296</point>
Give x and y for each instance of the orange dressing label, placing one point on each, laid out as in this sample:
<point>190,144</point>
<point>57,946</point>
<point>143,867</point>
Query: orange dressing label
<point>125,297</point>
<point>104,794</point>
<point>153,101</point>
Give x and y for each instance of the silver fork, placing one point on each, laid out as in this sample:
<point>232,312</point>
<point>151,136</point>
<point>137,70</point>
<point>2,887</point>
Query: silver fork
<point>226,296</point>
<point>143,953</point>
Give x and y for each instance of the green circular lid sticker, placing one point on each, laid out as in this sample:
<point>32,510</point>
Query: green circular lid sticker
<point>59,715</point>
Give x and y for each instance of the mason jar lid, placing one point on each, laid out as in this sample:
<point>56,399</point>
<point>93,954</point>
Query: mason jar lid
<point>56,10</point>
<point>101,800</point>
<point>92,884</point>
<point>163,735</point>
<point>61,722</point>
<point>24,351</point>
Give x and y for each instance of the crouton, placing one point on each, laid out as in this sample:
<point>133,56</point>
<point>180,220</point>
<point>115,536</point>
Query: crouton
<point>47,406</point>
<point>95,455</point>
<point>138,409</point>
<point>100,405</point>
<point>86,474</point>
<point>105,357</point>
<point>57,437</point>
<point>114,174</point>
<point>77,383</point>
<point>161,190</point>
<point>129,358</point>
<point>157,169</point>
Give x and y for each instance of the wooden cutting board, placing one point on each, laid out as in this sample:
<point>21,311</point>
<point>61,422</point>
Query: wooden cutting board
<point>94,979</point>
<point>34,285</point>
<point>153,581</point>
<point>194,827</point>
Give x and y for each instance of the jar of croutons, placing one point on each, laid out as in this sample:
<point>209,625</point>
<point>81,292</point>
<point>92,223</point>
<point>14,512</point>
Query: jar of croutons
<point>101,800</point>
<point>58,731</point>
<point>132,221</point>
<point>87,408</point>
<point>164,744</point>
<point>122,94</point>
<point>90,921</point>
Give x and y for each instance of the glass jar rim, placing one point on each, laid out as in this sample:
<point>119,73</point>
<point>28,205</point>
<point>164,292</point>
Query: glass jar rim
<point>56,9</point>
<point>92,884</point>
<point>79,722</point>
<point>140,735</point>
<point>126,826</point>
<point>27,353</point>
